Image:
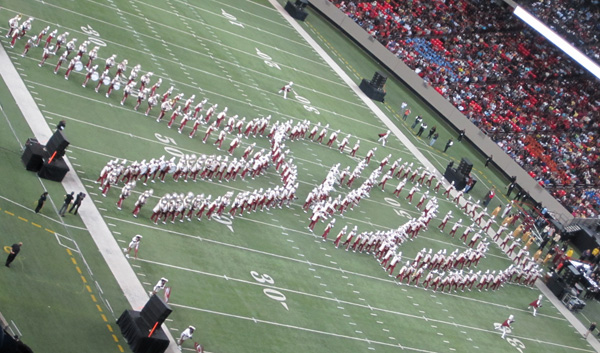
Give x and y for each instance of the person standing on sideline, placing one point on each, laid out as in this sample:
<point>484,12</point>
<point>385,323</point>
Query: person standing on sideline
<point>68,199</point>
<point>488,197</point>
<point>448,145</point>
<point>421,129</point>
<point>185,335</point>
<point>431,132</point>
<point>41,201</point>
<point>461,134</point>
<point>510,187</point>
<point>488,160</point>
<point>417,121</point>
<point>61,125</point>
<point>589,330</point>
<point>433,139</point>
<point>77,202</point>
<point>13,253</point>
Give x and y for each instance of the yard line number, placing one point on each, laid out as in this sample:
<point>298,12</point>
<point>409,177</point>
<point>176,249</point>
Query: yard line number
<point>268,60</point>
<point>94,36</point>
<point>395,203</point>
<point>270,292</point>
<point>516,343</point>
<point>232,19</point>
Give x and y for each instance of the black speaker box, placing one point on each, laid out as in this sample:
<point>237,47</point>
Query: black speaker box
<point>557,286</point>
<point>54,171</point>
<point>371,91</point>
<point>452,175</point>
<point>32,156</point>
<point>465,166</point>
<point>378,80</point>
<point>296,12</point>
<point>57,143</point>
<point>155,310</point>
<point>136,333</point>
<point>571,275</point>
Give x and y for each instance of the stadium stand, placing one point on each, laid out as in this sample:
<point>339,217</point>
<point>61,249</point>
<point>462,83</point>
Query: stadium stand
<point>533,101</point>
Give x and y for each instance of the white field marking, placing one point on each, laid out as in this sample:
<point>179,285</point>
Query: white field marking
<point>350,284</point>
<point>142,138</point>
<point>241,9</point>
<point>141,274</point>
<point>143,19</point>
<point>121,241</point>
<point>136,266</point>
<point>179,83</point>
<point>317,265</point>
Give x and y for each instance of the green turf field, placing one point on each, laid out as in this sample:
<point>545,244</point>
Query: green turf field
<point>261,282</point>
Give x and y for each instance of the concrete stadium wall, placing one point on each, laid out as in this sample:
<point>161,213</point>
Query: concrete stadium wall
<point>443,107</point>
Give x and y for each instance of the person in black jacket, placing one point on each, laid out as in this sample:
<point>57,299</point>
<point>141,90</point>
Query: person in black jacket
<point>40,202</point>
<point>68,199</point>
<point>13,253</point>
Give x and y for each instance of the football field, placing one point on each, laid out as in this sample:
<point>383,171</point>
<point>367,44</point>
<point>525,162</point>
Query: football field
<point>262,281</point>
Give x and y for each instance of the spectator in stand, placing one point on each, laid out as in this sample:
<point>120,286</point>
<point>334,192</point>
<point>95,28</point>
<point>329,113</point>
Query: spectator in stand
<point>532,100</point>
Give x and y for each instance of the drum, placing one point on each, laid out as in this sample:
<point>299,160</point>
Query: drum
<point>106,81</point>
<point>117,86</point>
<point>78,66</point>
<point>95,76</point>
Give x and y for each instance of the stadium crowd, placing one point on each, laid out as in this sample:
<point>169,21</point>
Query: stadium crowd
<point>576,20</point>
<point>536,104</point>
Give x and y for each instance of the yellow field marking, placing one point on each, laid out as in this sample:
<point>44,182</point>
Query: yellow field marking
<point>78,269</point>
<point>104,318</point>
<point>83,279</point>
<point>74,261</point>
<point>23,219</point>
<point>99,308</point>
<point>50,231</point>
<point>115,338</point>
<point>10,213</point>
<point>93,298</point>
<point>109,327</point>
<point>36,225</point>
<point>88,288</point>
<point>69,251</point>
<point>120,348</point>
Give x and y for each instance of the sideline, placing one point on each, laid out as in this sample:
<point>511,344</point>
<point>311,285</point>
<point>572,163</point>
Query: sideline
<point>110,250</point>
<point>580,327</point>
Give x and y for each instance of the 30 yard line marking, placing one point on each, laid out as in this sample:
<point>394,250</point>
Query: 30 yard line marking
<point>348,303</point>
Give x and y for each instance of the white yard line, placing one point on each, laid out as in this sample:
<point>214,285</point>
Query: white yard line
<point>107,245</point>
